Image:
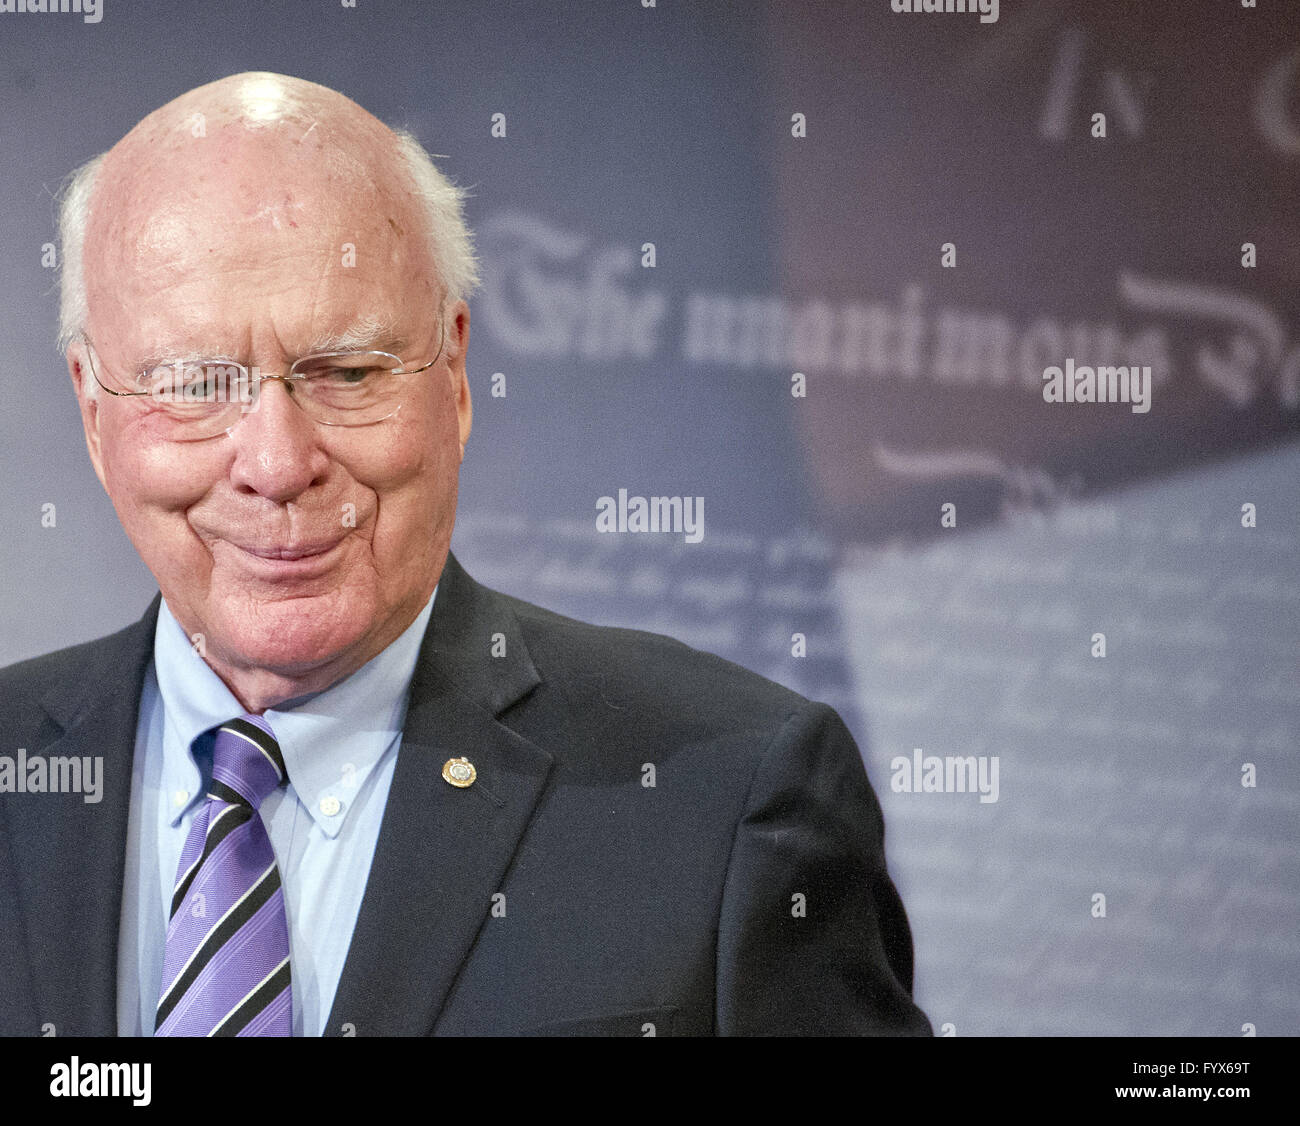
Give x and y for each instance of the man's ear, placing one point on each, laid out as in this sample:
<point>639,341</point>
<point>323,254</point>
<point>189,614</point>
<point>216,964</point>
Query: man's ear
<point>457,321</point>
<point>87,391</point>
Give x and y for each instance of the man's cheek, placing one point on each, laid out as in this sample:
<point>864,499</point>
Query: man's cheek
<point>393,462</point>
<point>150,481</point>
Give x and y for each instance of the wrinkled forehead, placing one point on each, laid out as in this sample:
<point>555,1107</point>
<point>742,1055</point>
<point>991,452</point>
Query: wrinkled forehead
<point>193,200</point>
<point>164,187</point>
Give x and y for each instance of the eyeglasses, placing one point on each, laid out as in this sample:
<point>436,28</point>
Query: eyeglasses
<point>197,399</point>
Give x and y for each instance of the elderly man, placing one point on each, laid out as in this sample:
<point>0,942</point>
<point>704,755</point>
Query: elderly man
<point>346,789</point>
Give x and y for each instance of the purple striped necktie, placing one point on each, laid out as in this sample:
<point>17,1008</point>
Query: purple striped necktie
<point>226,965</point>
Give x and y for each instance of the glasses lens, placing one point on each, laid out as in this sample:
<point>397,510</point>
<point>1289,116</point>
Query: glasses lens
<point>189,400</point>
<point>197,400</point>
<point>348,388</point>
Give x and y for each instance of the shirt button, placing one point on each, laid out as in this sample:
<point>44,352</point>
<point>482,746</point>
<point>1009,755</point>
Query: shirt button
<point>180,797</point>
<point>330,806</point>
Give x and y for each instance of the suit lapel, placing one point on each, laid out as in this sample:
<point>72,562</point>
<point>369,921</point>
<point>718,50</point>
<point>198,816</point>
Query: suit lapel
<point>70,854</point>
<point>442,851</point>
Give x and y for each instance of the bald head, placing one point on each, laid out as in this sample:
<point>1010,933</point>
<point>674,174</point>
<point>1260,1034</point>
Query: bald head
<point>229,142</point>
<point>257,146</point>
<point>256,167</point>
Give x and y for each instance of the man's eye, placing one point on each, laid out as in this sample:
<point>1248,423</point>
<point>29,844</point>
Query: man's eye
<point>189,387</point>
<point>343,375</point>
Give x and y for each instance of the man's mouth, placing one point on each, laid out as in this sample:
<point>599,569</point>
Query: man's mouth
<point>290,551</point>
<point>304,559</point>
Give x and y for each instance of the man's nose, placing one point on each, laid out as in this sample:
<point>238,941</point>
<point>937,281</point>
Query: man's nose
<point>278,453</point>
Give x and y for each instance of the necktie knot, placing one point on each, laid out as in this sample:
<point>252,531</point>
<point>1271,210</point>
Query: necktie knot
<point>246,761</point>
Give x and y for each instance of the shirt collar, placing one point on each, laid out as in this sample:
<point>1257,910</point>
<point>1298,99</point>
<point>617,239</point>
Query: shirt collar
<point>331,741</point>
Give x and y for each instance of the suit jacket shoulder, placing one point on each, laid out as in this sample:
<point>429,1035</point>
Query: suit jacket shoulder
<point>610,669</point>
<point>64,682</point>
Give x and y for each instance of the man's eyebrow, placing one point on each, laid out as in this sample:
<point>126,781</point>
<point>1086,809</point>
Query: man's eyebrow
<point>367,334</point>
<point>161,354</point>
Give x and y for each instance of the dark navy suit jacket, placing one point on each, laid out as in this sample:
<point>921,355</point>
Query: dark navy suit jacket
<point>745,892</point>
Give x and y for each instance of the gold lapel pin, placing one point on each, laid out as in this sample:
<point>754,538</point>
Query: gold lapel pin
<point>459,772</point>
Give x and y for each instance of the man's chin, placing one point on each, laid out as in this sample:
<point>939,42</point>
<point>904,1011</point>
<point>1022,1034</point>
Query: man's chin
<point>295,637</point>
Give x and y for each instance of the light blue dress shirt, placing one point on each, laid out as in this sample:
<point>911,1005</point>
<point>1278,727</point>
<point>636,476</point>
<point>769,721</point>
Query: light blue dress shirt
<point>340,747</point>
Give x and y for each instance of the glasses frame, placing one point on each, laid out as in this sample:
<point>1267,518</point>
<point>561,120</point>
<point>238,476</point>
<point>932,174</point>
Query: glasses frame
<point>289,378</point>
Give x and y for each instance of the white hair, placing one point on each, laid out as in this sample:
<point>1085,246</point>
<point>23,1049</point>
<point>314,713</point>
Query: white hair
<point>450,241</point>
<point>74,216</point>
